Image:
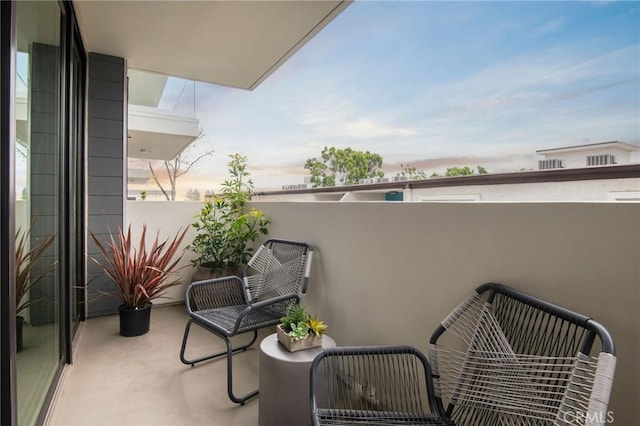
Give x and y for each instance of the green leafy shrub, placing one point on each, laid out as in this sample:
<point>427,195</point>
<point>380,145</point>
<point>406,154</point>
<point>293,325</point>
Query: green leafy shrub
<point>224,231</point>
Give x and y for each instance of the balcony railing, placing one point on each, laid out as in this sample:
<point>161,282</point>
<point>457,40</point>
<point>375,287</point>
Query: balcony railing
<point>388,273</point>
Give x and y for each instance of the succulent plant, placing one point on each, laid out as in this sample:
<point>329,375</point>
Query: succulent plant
<point>295,315</point>
<point>299,331</point>
<point>316,326</point>
<point>298,324</point>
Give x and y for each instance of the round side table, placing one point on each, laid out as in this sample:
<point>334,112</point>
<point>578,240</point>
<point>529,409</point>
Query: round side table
<point>284,382</point>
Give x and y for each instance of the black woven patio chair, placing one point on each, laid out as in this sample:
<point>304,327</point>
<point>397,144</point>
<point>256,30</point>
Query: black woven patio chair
<point>500,358</point>
<point>275,278</point>
<point>382,385</point>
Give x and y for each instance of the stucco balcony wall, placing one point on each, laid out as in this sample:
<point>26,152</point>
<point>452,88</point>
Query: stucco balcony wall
<point>387,273</point>
<point>166,218</point>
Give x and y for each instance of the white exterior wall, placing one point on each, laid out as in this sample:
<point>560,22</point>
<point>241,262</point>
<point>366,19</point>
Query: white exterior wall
<point>577,159</point>
<point>584,190</point>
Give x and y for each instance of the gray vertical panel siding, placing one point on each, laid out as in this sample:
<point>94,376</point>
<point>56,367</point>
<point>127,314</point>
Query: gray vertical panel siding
<point>45,177</point>
<point>105,187</point>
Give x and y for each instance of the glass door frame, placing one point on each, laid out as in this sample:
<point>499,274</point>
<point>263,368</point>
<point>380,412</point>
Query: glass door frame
<point>8,40</point>
<point>71,185</point>
<point>75,183</point>
<point>72,130</point>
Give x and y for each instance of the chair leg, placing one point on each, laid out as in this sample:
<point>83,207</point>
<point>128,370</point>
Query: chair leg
<point>212,356</point>
<point>242,399</point>
<point>229,354</point>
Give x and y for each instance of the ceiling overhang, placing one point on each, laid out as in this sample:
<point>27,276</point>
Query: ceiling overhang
<point>145,88</point>
<point>156,134</point>
<point>232,43</point>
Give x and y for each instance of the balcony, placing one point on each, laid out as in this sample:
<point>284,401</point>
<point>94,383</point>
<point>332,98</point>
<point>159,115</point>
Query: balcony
<point>370,259</point>
<point>140,381</point>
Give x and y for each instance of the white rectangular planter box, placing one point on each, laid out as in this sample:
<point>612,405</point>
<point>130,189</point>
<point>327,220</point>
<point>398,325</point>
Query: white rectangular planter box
<point>292,345</point>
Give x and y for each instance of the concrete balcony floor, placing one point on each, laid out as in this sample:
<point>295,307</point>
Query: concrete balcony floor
<point>140,380</point>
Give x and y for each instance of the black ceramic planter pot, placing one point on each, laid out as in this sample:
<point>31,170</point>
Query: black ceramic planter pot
<point>134,322</point>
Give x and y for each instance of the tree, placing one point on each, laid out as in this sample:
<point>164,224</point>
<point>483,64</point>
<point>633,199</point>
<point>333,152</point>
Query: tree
<point>461,171</point>
<point>411,172</point>
<point>193,195</point>
<point>239,187</point>
<point>176,167</point>
<point>344,166</point>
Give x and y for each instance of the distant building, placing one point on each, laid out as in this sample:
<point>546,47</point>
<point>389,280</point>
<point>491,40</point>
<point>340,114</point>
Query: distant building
<point>154,133</point>
<point>564,175</point>
<point>595,154</point>
<point>295,186</point>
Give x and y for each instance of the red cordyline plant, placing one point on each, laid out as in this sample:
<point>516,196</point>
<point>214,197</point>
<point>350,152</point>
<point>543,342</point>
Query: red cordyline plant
<point>140,274</point>
<point>25,262</point>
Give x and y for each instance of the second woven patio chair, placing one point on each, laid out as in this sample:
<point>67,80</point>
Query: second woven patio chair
<point>275,278</point>
<point>501,357</point>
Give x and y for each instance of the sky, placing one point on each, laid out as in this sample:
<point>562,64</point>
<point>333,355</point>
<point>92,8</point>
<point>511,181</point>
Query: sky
<point>434,84</point>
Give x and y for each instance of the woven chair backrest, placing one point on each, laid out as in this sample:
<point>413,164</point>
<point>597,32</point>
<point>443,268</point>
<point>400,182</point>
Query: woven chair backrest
<point>281,268</point>
<point>502,357</point>
<point>387,380</point>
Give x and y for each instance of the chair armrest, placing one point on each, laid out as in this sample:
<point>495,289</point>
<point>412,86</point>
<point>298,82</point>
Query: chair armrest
<point>215,293</point>
<point>275,300</point>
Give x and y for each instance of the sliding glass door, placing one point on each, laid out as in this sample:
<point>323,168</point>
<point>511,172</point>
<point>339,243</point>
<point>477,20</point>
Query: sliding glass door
<point>38,115</point>
<point>42,209</point>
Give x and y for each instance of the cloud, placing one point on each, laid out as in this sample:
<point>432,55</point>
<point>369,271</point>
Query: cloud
<point>595,88</point>
<point>341,115</point>
<point>366,128</point>
<point>550,27</point>
<point>603,3</point>
<point>519,92</point>
<point>321,110</point>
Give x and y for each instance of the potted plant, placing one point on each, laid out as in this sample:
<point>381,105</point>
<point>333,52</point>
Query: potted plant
<point>224,231</point>
<point>140,274</point>
<point>26,274</point>
<point>298,330</point>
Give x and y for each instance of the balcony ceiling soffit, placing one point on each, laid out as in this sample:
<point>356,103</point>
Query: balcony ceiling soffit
<point>156,146</point>
<point>233,43</point>
<point>145,88</point>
